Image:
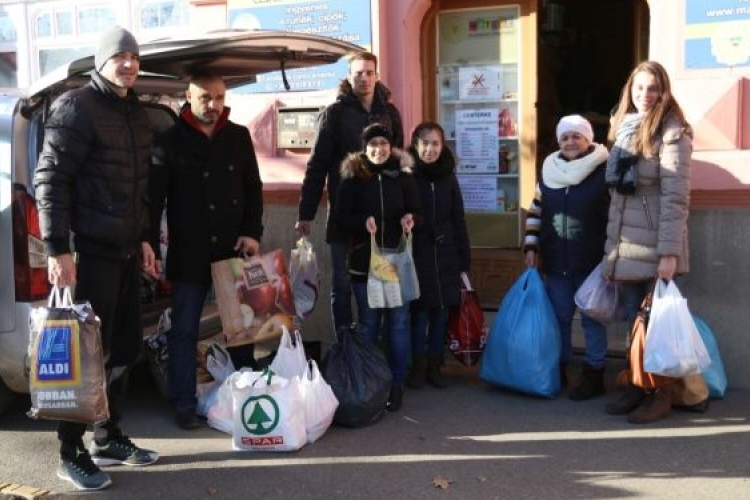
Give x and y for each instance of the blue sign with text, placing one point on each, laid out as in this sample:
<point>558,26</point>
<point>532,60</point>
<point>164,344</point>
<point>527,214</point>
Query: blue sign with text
<point>717,33</point>
<point>347,20</point>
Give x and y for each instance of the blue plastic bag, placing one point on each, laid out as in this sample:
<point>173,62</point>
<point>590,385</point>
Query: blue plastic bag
<point>714,375</point>
<point>523,349</point>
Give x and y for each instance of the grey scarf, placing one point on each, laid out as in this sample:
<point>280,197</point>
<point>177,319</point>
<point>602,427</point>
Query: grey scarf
<point>621,155</point>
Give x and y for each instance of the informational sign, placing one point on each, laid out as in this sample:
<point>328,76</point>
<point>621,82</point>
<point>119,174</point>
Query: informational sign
<point>347,20</point>
<point>479,83</point>
<point>717,33</point>
<point>477,140</point>
<point>479,192</point>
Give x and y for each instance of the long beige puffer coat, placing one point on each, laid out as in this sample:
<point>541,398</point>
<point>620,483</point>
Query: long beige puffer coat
<point>653,221</point>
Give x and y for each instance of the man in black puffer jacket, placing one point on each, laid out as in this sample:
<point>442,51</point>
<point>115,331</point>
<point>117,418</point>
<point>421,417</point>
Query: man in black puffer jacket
<point>91,180</point>
<point>362,100</point>
<point>206,171</point>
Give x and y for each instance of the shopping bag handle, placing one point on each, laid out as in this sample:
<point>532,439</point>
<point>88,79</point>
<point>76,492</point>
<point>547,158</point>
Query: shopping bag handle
<point>466,282</point>
<point>60,298</point>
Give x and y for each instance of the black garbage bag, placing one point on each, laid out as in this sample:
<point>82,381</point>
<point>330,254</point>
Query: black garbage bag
<point>360,377</point>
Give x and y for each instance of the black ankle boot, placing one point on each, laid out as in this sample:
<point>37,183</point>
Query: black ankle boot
<point>396,398</point>
<point>628,400</point>
<point>591,384</point>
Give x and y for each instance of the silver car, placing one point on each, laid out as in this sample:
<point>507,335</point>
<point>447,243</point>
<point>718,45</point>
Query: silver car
<point>236,55</point>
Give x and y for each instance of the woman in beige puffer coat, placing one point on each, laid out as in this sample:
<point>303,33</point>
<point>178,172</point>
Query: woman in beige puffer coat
<point>648,172</point>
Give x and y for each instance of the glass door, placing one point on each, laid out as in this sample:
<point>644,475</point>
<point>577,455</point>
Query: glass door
<point>478,105</point>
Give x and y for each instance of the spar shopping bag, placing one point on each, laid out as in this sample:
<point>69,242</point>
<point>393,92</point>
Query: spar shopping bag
<point>523,347</point>
<point>67,380</point>
<point>268,412</point>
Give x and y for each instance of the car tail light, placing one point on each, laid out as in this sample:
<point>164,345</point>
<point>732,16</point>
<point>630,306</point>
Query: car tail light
<point>29,252</point>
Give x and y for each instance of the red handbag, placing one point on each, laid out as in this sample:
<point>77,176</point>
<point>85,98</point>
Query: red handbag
<point>466,331</point>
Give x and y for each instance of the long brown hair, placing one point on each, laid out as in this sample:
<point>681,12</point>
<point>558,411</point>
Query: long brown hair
<point>665,106</point>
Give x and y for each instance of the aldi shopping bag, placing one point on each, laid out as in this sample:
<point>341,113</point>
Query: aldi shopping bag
<point>254,296</point>
<point>268,413</point>
<point>67,380</point>
<point>523,347</point>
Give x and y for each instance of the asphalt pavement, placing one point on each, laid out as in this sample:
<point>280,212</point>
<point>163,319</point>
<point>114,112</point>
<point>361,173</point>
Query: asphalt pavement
<point>468,441</point>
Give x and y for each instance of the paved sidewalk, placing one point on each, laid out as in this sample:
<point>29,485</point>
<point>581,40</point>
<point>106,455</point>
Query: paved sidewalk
<point>465,442</point>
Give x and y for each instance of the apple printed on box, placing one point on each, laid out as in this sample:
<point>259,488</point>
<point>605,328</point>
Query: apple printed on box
<point>254,296</point>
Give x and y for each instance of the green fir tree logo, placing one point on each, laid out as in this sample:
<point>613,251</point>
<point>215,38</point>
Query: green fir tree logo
<point>260,415</point>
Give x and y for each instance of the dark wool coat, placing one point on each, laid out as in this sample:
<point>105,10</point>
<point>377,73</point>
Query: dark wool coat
<point>386,192</point>
<point>441,242</point>
<point>339,133</point>
<point>574,224</point>
<point>213,192</point>
<point>92,173</point>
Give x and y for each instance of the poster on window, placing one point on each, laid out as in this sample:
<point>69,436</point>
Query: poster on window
<point>479,83</point>
<point>479,192</point>
<point>717,33</point>
<point>477,140</point>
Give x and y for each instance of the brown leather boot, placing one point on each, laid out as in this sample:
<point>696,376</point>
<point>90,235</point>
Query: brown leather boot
<point>627,401</point>
<point>656,406</point>
<point>591,385</point>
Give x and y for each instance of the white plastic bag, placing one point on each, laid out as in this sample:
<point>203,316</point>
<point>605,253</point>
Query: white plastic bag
<point>290,360</point>
<point>305,277</point>
<point>219,362</point>
<point>268,413</point>
<point>674,347</point>
<point>320,402</point>
<point>218,404</point>
<point>600,299</point>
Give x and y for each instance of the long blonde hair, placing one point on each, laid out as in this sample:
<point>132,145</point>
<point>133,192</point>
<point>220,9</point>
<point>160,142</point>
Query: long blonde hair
<point>665,106</point>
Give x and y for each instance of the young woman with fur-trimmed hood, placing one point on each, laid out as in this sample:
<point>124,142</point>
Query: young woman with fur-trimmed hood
<point>378,195</point>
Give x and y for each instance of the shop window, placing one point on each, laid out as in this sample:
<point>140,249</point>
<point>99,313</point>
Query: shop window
<point>478,105</point>
<point>51,58</point>
<point>167,14</point>
<point>44,25</point>
<point>94,20</point>
<point>65,23</point>
<point>8,70</point>
<point>7,29</point>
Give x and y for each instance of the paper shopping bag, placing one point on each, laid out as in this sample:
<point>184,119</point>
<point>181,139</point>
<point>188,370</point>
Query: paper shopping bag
<point>67,380</point>
<point>254,296</point>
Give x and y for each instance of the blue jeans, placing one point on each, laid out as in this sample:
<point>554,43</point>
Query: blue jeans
<point>182,344</point>
<point>341,289</point>
<point>428,329</point>
<point>396,331</point>
<point>561,291</point>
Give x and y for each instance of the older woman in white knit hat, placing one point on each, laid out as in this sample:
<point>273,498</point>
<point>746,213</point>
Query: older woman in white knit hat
<point>566,230</point>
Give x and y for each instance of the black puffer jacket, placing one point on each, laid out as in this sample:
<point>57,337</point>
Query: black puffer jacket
<point>441,243</point>
<point>213,191</point>
<point>339,133</point>
<point>386,192</point>
<point>92,174</point>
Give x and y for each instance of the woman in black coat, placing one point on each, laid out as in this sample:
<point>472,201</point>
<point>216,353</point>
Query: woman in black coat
<point>441,251</point>
<point>378,196</point>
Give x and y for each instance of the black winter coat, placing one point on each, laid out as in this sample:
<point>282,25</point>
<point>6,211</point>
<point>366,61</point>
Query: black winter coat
<point>92,174</point>
<point>441,243</point>
<point>386,192</point>
<point>213,192</point>
<point>339,132</point>
<point>574,224</point>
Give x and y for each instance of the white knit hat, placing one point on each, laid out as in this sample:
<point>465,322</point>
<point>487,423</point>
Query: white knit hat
<point>575,123</point>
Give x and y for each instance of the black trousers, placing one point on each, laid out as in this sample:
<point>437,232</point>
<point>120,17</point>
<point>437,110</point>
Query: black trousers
<point>113,287</point>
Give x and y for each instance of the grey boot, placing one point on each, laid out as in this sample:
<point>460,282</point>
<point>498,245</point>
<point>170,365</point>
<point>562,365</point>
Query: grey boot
<point>434,376</point>
<point>418,373</point>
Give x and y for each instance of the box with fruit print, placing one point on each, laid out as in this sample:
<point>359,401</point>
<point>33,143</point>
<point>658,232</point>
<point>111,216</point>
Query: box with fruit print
<point>254,296</point>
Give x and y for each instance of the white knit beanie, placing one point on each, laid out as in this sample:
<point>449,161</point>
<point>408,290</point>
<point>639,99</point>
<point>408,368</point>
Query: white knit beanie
<point>575,123</point>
